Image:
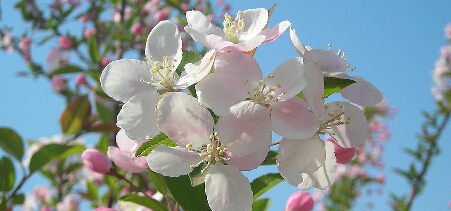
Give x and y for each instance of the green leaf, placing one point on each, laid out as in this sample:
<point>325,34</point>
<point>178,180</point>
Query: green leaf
<point>7,175</point>
<point>103,143</point>
<point>74,116</point>
<point>18,199</point>
<point>93,50</point>
<point>66,69</point>
<point>187,57</point>
<point>196,176</point>
<point>190,198</point>
<point>261,205</point>
<point>92,191</point>
<point>265,182</point>
<point>105,114</point>
<point>332,85</point>
<point>144,201</point>
<point>270,158</point>
<point>11,143</point>
<point>52,152</point>
<point>147,147</point>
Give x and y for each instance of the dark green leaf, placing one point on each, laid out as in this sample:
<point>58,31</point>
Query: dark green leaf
<point>11,143</point>
<point>144,201</point>
<point>265,182</point>
<point>158,181</point>
<point>93,50</point>
<point>196,176</point>
<point>147,147</point>
<point>332,85</point>
<point>261,205</point>
<point>52,152</point>
<point>190,198</point>
<point>105,114</point>
<point>188,57</point>
<point>270,158</point>
<point>74,116</point>
<point>66,69</point>
<point>18,199</point>
<point>7,175</point>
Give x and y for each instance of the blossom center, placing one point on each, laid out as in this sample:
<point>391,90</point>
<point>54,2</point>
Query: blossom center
<point>234,28</point>
<point>211,153</point>
<point>164,76</point>
<point>334,118</point>
<point>264,94</point>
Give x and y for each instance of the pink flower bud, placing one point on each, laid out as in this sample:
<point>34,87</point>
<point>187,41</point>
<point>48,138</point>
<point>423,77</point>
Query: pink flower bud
<point>162,14</point>
<point>65,42</point>
<point>89,32</point>
<point>380,178</point>
<point>299,201</point>
<point>85,18</point>
<point>96,161</point>
<point>137,29</point>
<point>104,209</point>
<point>58,83</point>
<point>199,8</point>
<point>184,7</point>
<point>343,155</point>
<point>80,80</point>
<point>45,208</point>
<point>25,47</point>
<point>105,61</point>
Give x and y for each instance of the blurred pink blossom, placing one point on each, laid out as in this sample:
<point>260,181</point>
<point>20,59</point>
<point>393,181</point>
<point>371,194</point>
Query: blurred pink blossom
<point>89,32</point>
<point>448,31</point>
<point>185,7</point>
<point>45,208</point>
<point>104,209</point>
<point>69,203</point>
<point>96,161</point>
<point>42,193</point>
<point>150,7</point>
<point>58,83</point>
<point>85,18</point>
<point>80,79</point>
<point>105,61</point>
<point>162,14</point>
<point>65,42</point>
<point>7,41</point>
<point>137,29</point>
<point>25,47</point>
<point>57,59</point>
<point>299,201</point>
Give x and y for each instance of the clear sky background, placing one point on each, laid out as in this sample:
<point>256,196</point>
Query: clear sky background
<point>393,44</point>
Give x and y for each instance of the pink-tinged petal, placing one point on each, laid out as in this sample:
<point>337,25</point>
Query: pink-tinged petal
<point>200,23</point>
<point>127,160</point>
<point>251,161</point>
<point>327,60</point>
<point>219,92</point>
<point>254,22</point>
<point>123,142</point>
<point>292,120</point>
<point>290,75</point>
<point>244,128</point>
<point>164,40</point>
<point>121,78</point>
<point>246,45</point>
<point>227,189</point>
<point>137,116</point>
<point>241,66</point>
<point>172,161</point>
<point>324,176</point>
<point>195,72</point>
<point>298,46</point>
<point>362,92</point>
<point>212,41</point>
<point>184,120</point>
<point>314,91</point>
<point>306,163</point>
<point>275,32</point>
<point>343,155</point>
<point>353,129</point>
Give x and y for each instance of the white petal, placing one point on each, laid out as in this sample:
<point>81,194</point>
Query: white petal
<point>246,46</point>
<point>362,92</point>
<point>184,120</point>
<point>195,72</point>
<point>123,142</point>
<point>291,77</point>
<point>121,78</point>
<point>275,32</point>
<point>327,60</point>
<point>212,41</point>
<point>292,120</point>
<point>241,66</point>
<point>298,46</point>
<point>251,161</point>
<point>254,22</point>
<point>227,189</point>
<point>172,161</point>
<point>220,91</point>
<point>127,160</point>
<point>244,127</point>
<point>165,40</point>
<point>301,162</point>
<point>314,91</point>
<point>349,135</point>
<point>137,116</point>
<point>200,23</point>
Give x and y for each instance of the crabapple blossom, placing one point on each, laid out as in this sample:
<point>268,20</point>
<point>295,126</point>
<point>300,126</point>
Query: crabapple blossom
<point>58,83</point>
<point>89,32</point>
<point>105,61</point>
<point>65,42</point>
<point>333,65</point>
<point>240,140</point>
<point>124,155</point>
<point>56,59</point>
<point>96,161</point>
<point>69,203</point>
<point>25,47</point>
<point>300,201</point>
<point>138,83</point>
<point>7,41</point>
<point>137,29</point>
<point>238,77</point>
<point>244,33</point>
<point>343,155</point>
<point>80,79</point>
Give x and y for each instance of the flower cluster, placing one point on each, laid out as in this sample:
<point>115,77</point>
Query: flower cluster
<point>225,126</point>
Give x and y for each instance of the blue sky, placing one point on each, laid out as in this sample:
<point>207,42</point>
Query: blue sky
<point>393,44</point>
